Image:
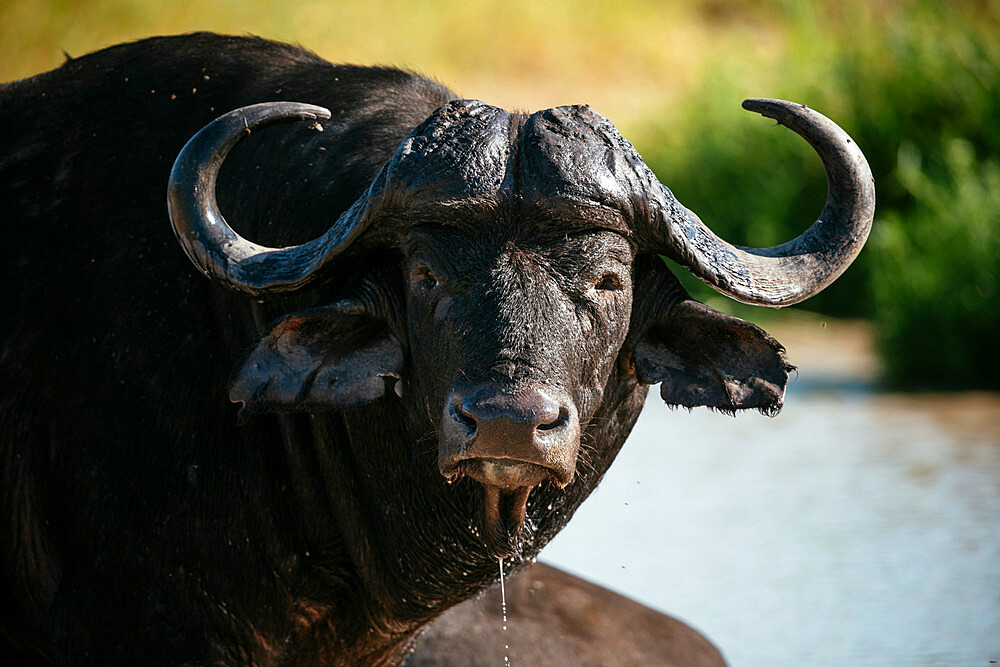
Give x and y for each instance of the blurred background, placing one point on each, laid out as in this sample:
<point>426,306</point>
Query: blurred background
<point>862,525</point>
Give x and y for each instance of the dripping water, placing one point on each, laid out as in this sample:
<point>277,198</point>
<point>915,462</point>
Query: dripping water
<point>503,610</point>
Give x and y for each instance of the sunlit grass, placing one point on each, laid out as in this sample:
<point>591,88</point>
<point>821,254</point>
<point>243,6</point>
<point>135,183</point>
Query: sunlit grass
<point>620,57</point>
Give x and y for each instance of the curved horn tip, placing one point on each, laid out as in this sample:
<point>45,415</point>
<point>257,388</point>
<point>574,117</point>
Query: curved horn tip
<point>269,113</point>
<point>772,108</point>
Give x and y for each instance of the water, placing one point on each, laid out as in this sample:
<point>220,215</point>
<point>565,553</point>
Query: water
<point>503,611</point>
<point>856,528</point>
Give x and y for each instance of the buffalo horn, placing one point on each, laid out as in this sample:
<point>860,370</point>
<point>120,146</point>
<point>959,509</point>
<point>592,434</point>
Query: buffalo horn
<point>791,272</point>
<point>208,240</point>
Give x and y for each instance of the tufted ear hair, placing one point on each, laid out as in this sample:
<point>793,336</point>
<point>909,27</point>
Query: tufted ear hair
<point>703,357</point>
<point>325,358</point>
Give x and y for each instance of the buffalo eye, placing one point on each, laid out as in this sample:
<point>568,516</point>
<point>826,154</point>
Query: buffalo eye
<point>609,282</point>
<point>423,277</point>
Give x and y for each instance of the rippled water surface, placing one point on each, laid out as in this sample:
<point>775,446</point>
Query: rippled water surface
<point>856,528</point>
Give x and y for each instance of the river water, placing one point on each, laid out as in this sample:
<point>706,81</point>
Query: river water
<point>855,528</point>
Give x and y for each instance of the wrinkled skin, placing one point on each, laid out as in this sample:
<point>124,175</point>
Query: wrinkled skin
<point>143,523</point>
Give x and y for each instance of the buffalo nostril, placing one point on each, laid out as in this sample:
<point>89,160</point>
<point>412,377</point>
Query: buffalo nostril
<point>561,420</point>
<point>524,411</point>
<point>463,417</point>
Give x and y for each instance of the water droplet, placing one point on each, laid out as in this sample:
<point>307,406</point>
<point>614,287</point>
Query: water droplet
<point>503,608</point>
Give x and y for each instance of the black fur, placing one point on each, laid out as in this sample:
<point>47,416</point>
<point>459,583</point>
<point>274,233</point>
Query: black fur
<point>139,523</point>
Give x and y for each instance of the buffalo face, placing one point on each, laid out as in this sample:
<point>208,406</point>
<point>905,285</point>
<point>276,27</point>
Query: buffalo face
<point>513,337</point>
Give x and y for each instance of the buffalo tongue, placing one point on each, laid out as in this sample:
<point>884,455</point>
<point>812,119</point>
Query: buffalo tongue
<point>504,517</point>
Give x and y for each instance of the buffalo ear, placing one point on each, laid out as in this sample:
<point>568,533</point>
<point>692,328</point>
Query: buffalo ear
<point>703,357</point>
<point>323,358</point>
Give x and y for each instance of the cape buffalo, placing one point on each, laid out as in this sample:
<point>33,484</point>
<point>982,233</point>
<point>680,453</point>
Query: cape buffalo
<point>440,336</point>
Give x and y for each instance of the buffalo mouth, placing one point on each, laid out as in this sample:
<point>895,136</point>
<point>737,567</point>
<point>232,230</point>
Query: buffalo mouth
<point>503,519</point>
<point>506,484</point>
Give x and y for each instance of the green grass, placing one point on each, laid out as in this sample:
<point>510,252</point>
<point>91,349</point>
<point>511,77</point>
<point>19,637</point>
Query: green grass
<point>937,292</point>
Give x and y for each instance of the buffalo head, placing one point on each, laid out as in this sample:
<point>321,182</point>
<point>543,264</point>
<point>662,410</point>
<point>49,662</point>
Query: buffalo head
<point>533,300</point>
